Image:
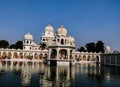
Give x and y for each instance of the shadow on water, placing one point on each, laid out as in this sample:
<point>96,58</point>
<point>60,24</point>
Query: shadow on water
<point>36,74</point>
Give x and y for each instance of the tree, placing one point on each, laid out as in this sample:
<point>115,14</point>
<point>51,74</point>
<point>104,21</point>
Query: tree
<point>81,49</point>
<point>19,45</point>
<point>100,46</point>
<point>43,46</point>
<point>91,47</point>
<point>12,46</point>
<point>4,44</point>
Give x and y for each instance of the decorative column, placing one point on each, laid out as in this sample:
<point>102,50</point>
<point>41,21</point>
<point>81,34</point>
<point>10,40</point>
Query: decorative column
<point>18,54</point>
<point>109,60</point>
<point>33,55</point>
<point>86,57</point>
<point>74,54</point>
<point>12,54</point>
<point>49,53</point>
<point>68,54</point>
<point>104,59</point>
<point>57,57</point>
<point>115,60</point>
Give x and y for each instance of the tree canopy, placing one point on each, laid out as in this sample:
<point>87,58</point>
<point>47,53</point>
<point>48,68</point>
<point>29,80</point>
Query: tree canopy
<point>12,46</point>
<point>43,46</point>
<point>19,45</point>
<point>93,47</point>
<point>81,49</point>
<point>4,44</point>
<point>100,46</point>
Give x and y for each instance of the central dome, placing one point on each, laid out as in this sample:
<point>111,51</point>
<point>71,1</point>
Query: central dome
<point>49,28</point>
<point>61,31</point>
<point>28,36</point>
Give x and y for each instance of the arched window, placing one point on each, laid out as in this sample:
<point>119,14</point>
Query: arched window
<point>62,41</point>
<point>27,41</point>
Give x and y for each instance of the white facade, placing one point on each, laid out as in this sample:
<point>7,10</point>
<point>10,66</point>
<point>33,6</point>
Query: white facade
<point>29,44</point>
<point>48,35</point>
<point>60,47</point>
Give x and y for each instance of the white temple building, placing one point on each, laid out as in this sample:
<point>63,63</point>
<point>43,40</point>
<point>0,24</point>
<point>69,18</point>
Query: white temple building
<point>60,48</point>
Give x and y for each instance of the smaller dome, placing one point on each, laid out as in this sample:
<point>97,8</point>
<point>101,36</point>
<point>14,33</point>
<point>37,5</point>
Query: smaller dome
<point>62,31</point>
<point>107,49</point>
<point>28,36</point>
<point>71,39</point>
<point>49,28</point>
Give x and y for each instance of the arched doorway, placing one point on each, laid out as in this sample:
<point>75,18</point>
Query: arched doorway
<point>84,58</point>
<point>30,56</point>
<point>25,55</point>
<point>80,57</point>
<point>97,58</point>
<point>21,55</point>
<point>15,55</point>
<point>62,41</point>
<point>9,55</point>
<point>89,58</point>
<point>53,54</point>
<point>41,56</point>
<point>36,56</point>
<point>63,54</point>
<point>4,55</point>
<point>45,56</point>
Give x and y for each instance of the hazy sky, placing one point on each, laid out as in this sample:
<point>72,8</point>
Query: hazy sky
<point>86,20</point>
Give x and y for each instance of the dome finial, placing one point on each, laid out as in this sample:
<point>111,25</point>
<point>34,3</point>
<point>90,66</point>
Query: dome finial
<point>49,22</point>
<point>61,24</point>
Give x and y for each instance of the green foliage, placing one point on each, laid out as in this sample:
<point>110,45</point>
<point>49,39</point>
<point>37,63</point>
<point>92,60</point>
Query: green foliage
<point>12,46</point>
<point>93,47</point>
<point>43,46</point>
<point>4,44</point>
<point>100,46</point>
<point>19,45</point>
<point>81,49</point>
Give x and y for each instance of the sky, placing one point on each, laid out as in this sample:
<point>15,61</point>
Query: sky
<point>85,20</point>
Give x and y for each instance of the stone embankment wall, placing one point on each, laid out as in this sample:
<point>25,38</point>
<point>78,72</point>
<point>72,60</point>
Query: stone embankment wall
<point>112,59</point>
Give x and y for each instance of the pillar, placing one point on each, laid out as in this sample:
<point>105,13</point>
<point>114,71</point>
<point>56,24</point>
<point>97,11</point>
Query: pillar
<point>12,54</point>
<point>68,54</point>
<point>57,57</point>
<point>49,53</point>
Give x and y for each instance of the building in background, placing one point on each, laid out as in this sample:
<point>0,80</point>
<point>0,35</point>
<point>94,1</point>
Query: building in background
<point>59,47</point>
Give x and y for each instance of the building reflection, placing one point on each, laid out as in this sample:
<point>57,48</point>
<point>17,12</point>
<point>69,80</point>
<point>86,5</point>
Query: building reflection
<point>89,70</point>
<point>49,76</point>
<point>24,69</point>
<point>60,76</point>
<point>57,76</point>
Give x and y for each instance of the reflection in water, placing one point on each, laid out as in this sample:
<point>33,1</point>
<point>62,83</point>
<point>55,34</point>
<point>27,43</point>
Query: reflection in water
<point>35,74</point>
